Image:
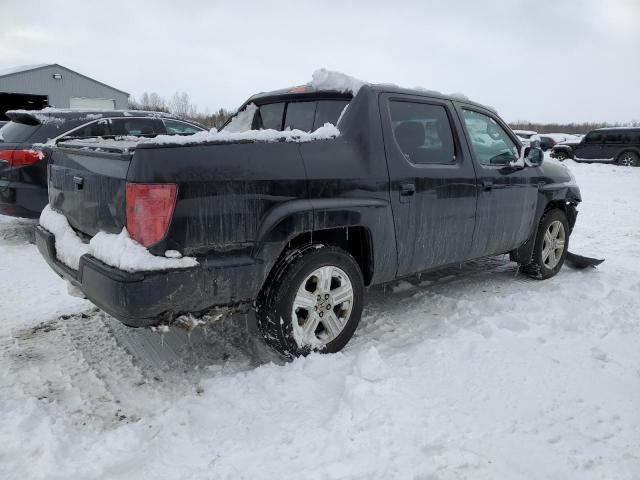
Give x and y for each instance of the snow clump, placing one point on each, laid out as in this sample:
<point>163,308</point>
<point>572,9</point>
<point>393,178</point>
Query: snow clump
<point>117,250</point>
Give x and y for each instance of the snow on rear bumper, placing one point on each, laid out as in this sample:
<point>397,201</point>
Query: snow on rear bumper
<point>143,298</point>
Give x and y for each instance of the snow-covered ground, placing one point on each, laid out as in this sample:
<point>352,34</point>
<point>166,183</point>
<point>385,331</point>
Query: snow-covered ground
<point>469,373</point>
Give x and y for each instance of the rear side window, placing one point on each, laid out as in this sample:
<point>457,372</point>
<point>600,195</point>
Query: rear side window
<point>136,127</point>
<point>95,129</point>
<point>422,132</point>
<point>612,138</point>
<point>300,116</point>
<point>176,127</point>
<point>329,111</point>
<point>14,132</point>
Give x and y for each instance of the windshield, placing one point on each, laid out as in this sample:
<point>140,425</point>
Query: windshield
<point>14,132</point>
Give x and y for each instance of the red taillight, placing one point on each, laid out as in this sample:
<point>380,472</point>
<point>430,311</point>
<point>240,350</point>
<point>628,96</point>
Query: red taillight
<point>149,210</point>
<point>21,158</point>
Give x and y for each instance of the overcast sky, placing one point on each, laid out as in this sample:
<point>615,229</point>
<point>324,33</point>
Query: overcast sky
<point>544,60</point>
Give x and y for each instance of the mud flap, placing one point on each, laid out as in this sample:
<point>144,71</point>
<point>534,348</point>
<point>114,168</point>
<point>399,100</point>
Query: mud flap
<point>578,261</point>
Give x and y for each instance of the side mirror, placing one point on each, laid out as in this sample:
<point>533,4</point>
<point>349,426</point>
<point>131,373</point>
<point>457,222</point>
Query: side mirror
<point>533,156</point>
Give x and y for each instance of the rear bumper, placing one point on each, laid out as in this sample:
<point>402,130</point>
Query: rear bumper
<point>143,298</point>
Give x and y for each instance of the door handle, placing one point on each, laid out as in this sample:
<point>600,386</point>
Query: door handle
<point>407,189</point>
<point>487,185</point>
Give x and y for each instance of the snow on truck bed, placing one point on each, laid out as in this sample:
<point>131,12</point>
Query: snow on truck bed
<point>472,372</point>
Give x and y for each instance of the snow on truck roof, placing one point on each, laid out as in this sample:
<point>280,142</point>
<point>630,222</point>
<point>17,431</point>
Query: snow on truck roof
<point>323,80</point>
<point>60,115</point>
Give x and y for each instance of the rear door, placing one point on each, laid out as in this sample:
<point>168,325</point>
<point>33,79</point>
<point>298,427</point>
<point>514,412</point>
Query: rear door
<point>432,181</point>
<point>507,196</point>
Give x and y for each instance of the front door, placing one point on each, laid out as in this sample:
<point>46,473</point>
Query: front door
<point>433,183</point>
<point>507,196</point>
<point>590,148</point>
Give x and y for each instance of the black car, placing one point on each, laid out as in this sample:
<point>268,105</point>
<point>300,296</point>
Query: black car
<point>23,169</point>
<point>297,225</point>
<point>609,145</point>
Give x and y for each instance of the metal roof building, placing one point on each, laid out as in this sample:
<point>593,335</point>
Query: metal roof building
<point>37,86</point>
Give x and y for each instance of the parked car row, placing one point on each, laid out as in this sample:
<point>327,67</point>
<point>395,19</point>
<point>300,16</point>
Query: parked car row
<point>545,140</point>
<point>23,170</point>
<point>296,225</point>
<point>610,145</point>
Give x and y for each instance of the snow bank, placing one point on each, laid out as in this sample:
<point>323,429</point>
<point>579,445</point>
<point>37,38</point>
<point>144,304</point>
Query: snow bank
<point>117,250</point>
<point>323,79</point>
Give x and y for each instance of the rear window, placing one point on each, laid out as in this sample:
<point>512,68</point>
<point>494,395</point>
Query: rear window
<point>14,132</point>
<point>269,116</point>
<point>329,111</point>
<point>306,115</point>
<point>300,116</point>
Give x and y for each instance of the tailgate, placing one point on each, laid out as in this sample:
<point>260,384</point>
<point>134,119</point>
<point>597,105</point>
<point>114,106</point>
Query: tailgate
<point>87,185</point>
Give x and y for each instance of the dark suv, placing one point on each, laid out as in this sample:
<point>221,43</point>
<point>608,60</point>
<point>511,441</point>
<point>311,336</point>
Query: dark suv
<point>23,170</point>
<point>611,145</point>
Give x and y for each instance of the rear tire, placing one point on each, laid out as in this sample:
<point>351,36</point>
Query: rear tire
<point>561,156</point>
<point>312,301</point>
<point>552,244</point>
<point>629,159</point>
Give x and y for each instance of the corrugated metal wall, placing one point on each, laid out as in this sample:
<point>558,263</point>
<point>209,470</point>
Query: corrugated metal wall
<point>71,84</point>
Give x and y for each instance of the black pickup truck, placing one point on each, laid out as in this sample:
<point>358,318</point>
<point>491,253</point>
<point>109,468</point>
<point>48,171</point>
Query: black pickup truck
<point>413,181</point>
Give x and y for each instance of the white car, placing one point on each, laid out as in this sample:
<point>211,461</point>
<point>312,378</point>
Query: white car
<point>526,136</point>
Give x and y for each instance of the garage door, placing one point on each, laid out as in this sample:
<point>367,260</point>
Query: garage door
<point>81,103</point>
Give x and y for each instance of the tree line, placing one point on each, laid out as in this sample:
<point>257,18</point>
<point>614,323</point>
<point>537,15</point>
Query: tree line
<point>180,105</point>
<point>582,128</point>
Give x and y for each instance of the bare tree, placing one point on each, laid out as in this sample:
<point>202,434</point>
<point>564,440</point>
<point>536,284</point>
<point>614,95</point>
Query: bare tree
<point>181,106</point>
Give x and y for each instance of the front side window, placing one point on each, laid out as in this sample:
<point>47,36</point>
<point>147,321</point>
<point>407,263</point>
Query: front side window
<point>137,127</point>
<point>490,142</point>
<point>300,116</point>
<point>593,137</point>
<point>422,131</point>
<point>175,127</point>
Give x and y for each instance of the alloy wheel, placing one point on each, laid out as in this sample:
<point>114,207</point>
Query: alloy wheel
<point>628,160</point>
<point>322,305</point>
<point>553,244</point>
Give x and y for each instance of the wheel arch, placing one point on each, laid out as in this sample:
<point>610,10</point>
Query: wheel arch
<point>633,150</point>
<point>360,226</point>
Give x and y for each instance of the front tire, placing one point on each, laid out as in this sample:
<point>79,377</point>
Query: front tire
<point>552,244</point>
<point>629,159</point>
<point>561,156</point>
<point>312,301</point>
